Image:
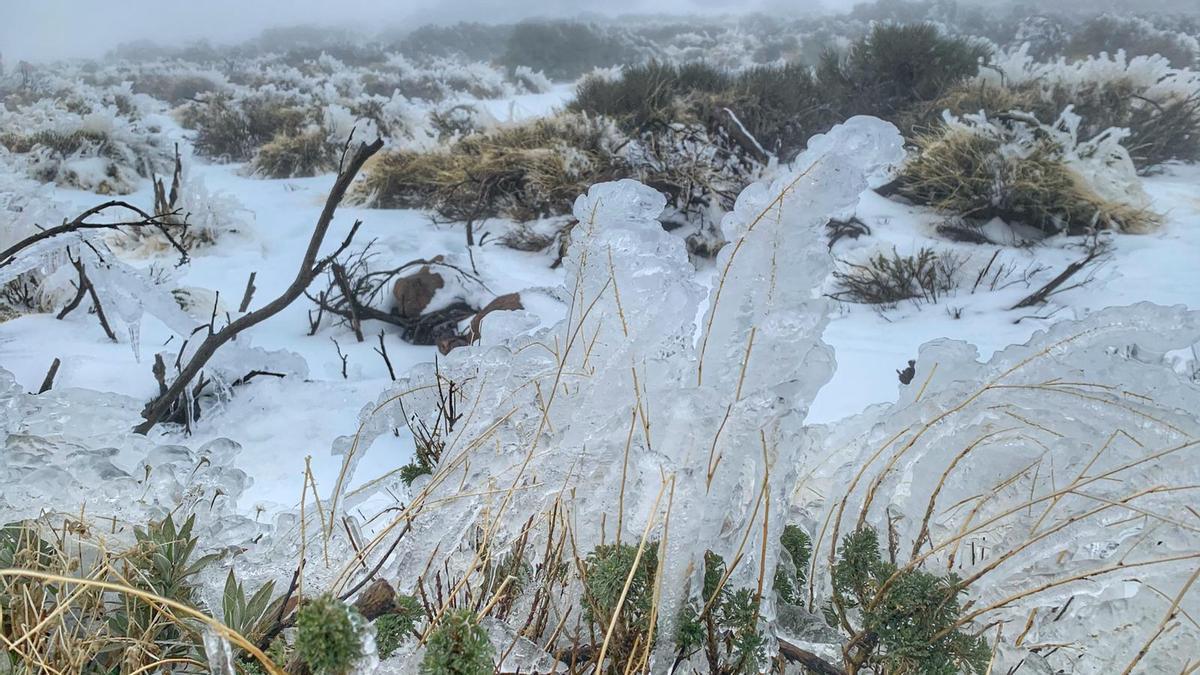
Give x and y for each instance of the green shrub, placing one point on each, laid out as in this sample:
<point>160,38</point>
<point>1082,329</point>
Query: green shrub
<point>905,611</point>
<point>728,631</point>
<point>458,646</point>
<point>895,67</point>
<point>329,636</point>
<point>606,570</point>
<point>792,573</point>
<point>232,130</point>
<point>391,630</point>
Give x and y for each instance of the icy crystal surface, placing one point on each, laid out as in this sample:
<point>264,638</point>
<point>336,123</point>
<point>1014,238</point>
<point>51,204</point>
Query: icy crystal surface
<point>627,416</point>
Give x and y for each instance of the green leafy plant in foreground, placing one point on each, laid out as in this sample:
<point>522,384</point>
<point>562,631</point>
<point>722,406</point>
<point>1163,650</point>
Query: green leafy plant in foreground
<point>329,636</point>
<point>458,646</point>
<point>906,616</point>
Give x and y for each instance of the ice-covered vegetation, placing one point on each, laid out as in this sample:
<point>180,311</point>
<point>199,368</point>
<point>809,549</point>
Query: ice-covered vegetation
<point>618,462</point>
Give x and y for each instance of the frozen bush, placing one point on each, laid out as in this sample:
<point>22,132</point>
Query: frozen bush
<point>778,106</point>
<point>96,149</point>
<point>1157,104</point>
<point>233,129</point>
<point>307,153</point>
<point>523,172</point>
<point>923,277</point>
<point>630,416</point>
<point>1023,171</point>
<point>564,50</point>
<point>956,477</point>
<point>1133,35</point>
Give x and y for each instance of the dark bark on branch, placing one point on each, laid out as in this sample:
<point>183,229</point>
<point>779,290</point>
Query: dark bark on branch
<point>1042,294</point>
<point>310,267</point>
<point>48,382</point>
<point>249,294</point>
<point>339,275</point>
<point>809,660</point>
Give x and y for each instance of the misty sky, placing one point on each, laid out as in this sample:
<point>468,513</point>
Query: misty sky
<point>48,29</point>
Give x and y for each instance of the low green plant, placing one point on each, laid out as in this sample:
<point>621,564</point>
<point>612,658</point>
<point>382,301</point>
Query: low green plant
<point>725,626</point>
<point>392,629</point>
<point>251,615</point>
<point>905,617</point>
<point>792,573</point>
<point>607,569</point>
<point>458,646</point>
<point>329,636</point>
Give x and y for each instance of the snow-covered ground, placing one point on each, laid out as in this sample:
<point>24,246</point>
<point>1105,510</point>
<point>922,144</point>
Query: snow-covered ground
<point>280,422</point>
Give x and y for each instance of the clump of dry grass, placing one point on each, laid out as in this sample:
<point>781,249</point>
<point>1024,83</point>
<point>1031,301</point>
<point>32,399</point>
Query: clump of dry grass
<point>967,174</point>
<point>303,154</point>
<point>522,172</point>
<point>76,600</point>
<point>887,280</point>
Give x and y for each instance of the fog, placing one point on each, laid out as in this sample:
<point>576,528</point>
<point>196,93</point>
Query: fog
<point>40,30</point>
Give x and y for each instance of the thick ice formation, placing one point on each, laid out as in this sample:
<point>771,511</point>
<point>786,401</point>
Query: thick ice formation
<point>618,416</point>
<point>1051,478</point>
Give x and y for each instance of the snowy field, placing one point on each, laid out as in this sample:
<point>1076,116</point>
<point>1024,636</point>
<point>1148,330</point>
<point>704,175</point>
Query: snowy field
<point>278,423</point>
<point>722,403</point>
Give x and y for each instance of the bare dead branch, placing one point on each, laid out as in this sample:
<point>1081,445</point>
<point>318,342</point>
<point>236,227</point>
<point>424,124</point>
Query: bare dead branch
<point>248,295</point>
<point>341,356</point>
<point>339,275</point>
<point>1040,296</point>
<point>382,351</point>
<point>48,382</point>
<point>310,267</point>
<point>160,221</point>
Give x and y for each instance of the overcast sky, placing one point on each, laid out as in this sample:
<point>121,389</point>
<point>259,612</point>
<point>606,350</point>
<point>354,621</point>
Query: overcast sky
<point>49,29</point>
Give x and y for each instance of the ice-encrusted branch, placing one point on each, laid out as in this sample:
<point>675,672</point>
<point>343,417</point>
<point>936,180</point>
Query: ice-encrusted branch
<point>80,223</point>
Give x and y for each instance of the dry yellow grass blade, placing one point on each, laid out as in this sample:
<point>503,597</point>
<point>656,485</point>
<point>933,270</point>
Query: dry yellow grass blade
<point>228,633</point>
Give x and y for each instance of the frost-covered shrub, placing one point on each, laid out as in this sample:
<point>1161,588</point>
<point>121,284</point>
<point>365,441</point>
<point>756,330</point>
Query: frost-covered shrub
<point>564,50</point>
<point>233,129</point>
<point>307,153</point>
<point>96,149</point>
<point>897,66</point>
<point>1159,105</point>
<point>176,88</point>
<point>1023,171</point>
<point>779,106</point>
<point>1135,36</point>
